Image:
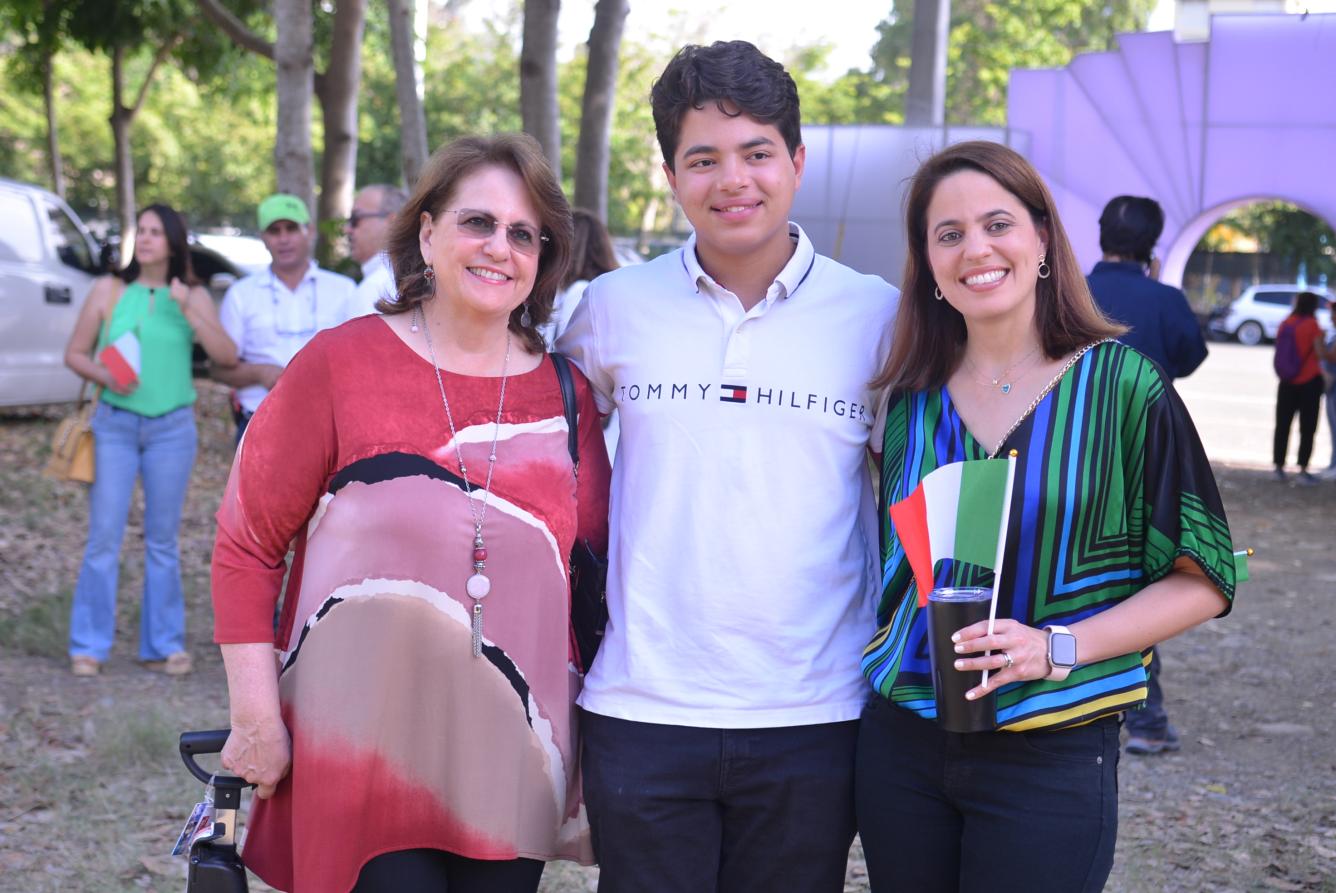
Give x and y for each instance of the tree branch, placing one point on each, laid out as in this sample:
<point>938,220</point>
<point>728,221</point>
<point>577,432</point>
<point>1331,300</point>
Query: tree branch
<point>234,28</point>
<point>158,58</point>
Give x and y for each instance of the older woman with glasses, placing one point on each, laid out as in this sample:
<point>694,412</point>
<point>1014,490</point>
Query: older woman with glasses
<point>417,731</point>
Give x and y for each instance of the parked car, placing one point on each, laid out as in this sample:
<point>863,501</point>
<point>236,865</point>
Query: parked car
<point>1256,315</point>
<point>48,261</point>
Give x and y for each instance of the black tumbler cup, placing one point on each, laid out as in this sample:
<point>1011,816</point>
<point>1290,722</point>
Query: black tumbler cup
<point>948,611</point>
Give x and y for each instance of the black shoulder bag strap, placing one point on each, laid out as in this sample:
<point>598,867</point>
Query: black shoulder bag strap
<point>567,382</point>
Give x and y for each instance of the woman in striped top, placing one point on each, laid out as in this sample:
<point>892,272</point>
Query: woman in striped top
<point>1117,537</point>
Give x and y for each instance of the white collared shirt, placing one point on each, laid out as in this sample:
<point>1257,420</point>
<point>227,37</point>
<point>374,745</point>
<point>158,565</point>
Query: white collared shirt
<point>744,557</point>
<point>270,322</point>
<point>377,282</point>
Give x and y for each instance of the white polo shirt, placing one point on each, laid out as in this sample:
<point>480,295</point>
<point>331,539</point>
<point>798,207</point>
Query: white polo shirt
<point>270,322</point>
<point>744,555</point>
<point>377,282</point>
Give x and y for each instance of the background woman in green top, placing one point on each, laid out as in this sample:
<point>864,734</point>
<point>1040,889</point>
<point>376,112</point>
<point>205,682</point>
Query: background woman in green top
<point>142,430</point>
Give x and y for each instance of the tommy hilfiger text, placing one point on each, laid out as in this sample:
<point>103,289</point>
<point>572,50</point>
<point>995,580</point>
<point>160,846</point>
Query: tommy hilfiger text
<point>729,392</point>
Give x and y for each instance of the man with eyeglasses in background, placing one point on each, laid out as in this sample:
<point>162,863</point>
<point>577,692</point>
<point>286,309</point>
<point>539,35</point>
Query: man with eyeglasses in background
<point>273,313</point>
<point>368,228</point>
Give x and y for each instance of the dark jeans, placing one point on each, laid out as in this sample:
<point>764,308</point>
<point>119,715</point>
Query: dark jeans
<point>1151,721</point>
<point>434,871</point>
<point>678,808</point>
<point>985,812</point>
<point>242,418</point>
<point>1306,400</point>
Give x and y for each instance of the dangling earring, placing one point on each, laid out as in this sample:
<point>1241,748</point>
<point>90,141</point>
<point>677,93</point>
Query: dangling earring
<point>430,275</point>
<point>937,293</point>
<point>526,321</point>
<point>1044,271</point>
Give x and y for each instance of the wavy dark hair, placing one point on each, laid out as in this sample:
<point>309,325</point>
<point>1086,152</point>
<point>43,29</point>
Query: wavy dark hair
<point>930,334</point>
<point>435,190</point>
<point>591,251</point>
<point>1306,303</point>
<point>738,78</point>
<point>178,247</point>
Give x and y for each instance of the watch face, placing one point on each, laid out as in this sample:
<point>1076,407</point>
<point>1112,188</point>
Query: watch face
<point>1062,649</point>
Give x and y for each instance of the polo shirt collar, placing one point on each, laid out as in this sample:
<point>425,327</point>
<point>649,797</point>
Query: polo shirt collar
<point>1121,266</point>
<point>312,266</point>
<point>789,278</point>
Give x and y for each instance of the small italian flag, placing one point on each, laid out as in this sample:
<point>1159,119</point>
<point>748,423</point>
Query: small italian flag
<point>121,357</point>
<point>958,511</point>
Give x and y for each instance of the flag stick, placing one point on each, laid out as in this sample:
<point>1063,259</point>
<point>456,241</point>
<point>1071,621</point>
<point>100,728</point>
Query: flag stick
<point>1001,547</point>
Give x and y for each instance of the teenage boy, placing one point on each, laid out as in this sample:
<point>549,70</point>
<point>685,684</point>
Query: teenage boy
<point>721,713</point>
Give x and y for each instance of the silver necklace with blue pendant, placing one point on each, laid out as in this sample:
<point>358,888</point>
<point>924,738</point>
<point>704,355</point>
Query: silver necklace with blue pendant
<point>1003,382</point>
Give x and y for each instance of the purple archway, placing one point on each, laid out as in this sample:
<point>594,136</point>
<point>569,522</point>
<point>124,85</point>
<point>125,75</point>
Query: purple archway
<point>1202,127</point>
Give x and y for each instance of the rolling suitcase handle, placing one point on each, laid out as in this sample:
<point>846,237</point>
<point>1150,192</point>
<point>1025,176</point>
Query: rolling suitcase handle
<point>215,866</point>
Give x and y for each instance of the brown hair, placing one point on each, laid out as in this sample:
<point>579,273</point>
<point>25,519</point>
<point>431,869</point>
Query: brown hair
<point>591,251</point>
<point>930,334</point>
<point>435,189</point>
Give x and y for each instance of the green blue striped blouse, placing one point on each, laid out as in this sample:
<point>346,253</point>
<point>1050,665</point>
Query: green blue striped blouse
<point>1112,486</point>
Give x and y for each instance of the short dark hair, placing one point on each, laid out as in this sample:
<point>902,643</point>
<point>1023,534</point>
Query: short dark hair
<point>178,247</point>
<point>1130,226</point>
<point>591,251</point>
<point>930,334</point>
<point>435,189</point>
<point>738,78</point>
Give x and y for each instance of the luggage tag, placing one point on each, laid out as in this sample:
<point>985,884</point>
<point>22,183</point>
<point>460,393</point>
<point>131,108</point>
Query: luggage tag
<point>198,827</point>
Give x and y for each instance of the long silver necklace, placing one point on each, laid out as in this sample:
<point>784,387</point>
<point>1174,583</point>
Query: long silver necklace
<point>478,585</point>
<point>1001,382</point>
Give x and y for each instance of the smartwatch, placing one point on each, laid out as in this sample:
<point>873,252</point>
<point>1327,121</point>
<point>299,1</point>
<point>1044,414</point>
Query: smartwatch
<point>1061,652</point>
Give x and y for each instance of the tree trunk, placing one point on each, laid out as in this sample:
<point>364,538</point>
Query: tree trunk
<point>538,78</point>
<point>121,117</point>
<point>295,82</point>
<point>408,20</point>
<point>591,157</point>
<point>925,104</point>
<point>337,89</point>
<point>52,135</point>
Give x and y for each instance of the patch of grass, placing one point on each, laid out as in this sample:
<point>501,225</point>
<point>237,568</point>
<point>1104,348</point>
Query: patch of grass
<point>121,738</point>
<point>41,628</point>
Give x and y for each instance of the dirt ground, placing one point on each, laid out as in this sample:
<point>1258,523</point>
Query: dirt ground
<point>92,793</point>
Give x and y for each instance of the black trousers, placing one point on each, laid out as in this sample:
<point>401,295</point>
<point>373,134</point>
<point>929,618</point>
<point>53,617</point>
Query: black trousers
<point>1305,399</point>
<point>434,871</point>
<point>682,809</point>
<point>985,812</point>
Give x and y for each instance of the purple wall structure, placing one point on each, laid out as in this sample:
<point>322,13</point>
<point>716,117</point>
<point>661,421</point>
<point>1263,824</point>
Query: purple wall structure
<point>1201,127</point>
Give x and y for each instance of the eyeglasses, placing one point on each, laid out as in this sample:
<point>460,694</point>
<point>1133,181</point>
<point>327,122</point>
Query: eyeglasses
<point>357,217</point>
<point>480,225</point>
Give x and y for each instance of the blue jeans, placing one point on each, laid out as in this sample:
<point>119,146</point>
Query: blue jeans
<point>985,812</point>
<point>681,809</point>
<point>162,451</point>
<point>1151,721</point>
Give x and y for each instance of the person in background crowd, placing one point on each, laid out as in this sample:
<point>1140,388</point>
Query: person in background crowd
<point>423,700</point>
<point>1117,539</point>
<point>1329,377</point>
<point>720,716</point>
<point>592,257</point>
<point>1301,394</point>
<point>1162,327</point>
<point>270,315</point>
<point>144,429</point>
<point>368,228</point>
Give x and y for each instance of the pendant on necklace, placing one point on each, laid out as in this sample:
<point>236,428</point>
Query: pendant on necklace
<point>477,587</point>
<point>1006,388</point>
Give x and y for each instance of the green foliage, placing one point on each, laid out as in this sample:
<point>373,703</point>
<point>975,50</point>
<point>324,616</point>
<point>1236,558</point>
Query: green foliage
<point>989,38</point>
<point>1282,230</point>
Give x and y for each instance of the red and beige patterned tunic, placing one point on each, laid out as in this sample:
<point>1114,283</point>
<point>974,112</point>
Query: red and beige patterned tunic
<point>401,738</point>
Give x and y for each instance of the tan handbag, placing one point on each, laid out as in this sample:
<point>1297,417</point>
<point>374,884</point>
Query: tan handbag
<point>72,456</point>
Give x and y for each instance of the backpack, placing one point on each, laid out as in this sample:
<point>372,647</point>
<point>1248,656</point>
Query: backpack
<point>1287,361</point>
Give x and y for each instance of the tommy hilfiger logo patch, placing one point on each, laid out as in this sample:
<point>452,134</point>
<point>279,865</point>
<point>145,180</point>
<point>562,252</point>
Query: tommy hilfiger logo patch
<point>732,393</point>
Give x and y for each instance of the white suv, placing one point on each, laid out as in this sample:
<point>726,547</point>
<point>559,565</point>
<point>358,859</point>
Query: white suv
<point>1256,314</point>
<point>47,264</point>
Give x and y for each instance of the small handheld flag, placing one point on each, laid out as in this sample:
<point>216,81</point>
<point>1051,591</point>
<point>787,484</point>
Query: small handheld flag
<point>1241,565</point>
<point>121,357</point>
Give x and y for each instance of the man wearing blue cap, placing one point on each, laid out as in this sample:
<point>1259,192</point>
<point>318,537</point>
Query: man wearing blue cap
<point>272,314</point>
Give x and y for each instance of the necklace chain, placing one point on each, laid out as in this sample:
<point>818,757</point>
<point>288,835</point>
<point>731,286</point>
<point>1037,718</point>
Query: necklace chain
<point>999,380</point>
<point>1042,394</point>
